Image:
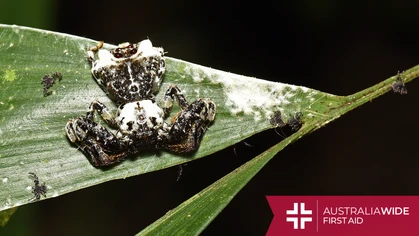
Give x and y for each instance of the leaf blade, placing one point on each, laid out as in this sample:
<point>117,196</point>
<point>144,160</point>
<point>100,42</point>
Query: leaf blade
<point>194,215</point>
<point>32,137</point>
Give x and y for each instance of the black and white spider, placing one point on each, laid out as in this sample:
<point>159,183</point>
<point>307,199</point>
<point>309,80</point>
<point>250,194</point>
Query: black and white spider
<point>131,75</point>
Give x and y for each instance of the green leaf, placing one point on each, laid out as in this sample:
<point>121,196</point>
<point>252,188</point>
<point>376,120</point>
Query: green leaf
<point>32,136</point>
<point>6,215</point>
<point>195,214</point>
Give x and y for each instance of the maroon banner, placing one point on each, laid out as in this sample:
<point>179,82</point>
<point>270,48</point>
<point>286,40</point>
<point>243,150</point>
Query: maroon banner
<point>344,215</point>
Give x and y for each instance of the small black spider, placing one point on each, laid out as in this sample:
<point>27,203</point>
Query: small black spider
<point>48,81</point>
<point>295,121</point>
<point>398,86</point>
<point>285,129</point>
<point>37,189</point>
<point>276,119</point>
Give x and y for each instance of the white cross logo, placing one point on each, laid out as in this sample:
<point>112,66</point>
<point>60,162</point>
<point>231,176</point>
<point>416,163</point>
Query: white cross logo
<point>303,211</point>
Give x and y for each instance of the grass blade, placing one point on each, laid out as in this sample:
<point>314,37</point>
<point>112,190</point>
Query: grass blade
<point>32,137</point>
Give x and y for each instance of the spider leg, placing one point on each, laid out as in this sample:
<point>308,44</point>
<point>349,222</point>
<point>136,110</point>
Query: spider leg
<point>101,146</point>
<point>170,95</point>
<point>103,112</point>
<point>91,52</point>
<point>189,125</point>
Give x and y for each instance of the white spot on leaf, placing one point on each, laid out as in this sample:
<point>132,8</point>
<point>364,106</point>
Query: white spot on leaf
<point>252,96</point>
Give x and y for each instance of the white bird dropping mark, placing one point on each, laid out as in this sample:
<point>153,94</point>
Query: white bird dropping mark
<point>259,98</point>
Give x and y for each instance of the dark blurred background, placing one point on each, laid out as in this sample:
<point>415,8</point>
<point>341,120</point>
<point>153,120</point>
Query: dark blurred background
<point>338,47</point>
